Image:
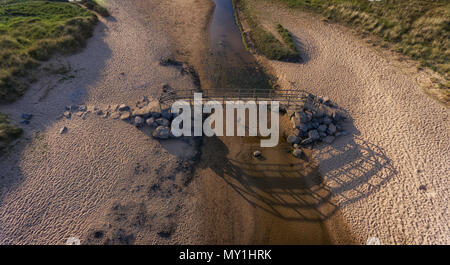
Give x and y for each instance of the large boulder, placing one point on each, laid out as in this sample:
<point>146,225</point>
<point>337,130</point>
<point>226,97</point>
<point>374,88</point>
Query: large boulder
<point>314,135</point>
<point>327,120</point>
<point>149,110</point>
<point>329,139</point>
<point>166,114</point>
<point>322,128</point>
<point>331,129</point>
<point>257,153</point>
<point>151,122</point>
<point>123,107</point>
<point>163,122</point>
<point>302,116</point>
<point>162,132</point>
<point>138,121</point>
<point>292,139</point>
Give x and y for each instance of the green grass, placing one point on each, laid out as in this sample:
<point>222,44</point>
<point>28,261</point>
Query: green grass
<point>287,37</point>
<point>416,28</point>
<point>96,5</point>
<point>8,132</point>
<point>32,31</point>
<point>263,41</point>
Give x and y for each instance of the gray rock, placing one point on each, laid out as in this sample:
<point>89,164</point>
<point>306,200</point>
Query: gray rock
<point>162,122</point>
<point>257,153</point>
<point>315,124</point>
<point>322,135</point>
<point>67,114</point>
<point>337,115</point>
<point>138,121</point>
<point>314,135</point>
<point>305,127</point>
<point>161,132</point>
<point>156,115</point>
<point>327,120</point>
<point>320,112</point>
<point>331,129</point>
<point>322,128</point>
<point>329,139</point>
<point>302,116</point>
<point>123,107</point>
<point>292,139</point>
<point>82,108</point>
<point>151,122</point>
<point>63,130</point>
<point>148,110</point>
<point>125,116</point>
<point>297,152</point>
<point>166,114</point>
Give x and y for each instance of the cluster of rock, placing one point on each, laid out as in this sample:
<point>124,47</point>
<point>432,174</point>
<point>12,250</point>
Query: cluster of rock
<point>146,113</point>
<point>317,120</point>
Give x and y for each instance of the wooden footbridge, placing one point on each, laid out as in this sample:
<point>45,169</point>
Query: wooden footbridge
<point>288,99</point>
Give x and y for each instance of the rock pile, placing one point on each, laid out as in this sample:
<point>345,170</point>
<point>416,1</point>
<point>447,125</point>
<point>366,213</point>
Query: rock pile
<point>147,113</point>
<point>317,120</point>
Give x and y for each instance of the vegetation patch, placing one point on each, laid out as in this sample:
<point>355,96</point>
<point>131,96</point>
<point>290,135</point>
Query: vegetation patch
<point>287,38</point>
<point>31,31</point>
<point>95,5</point>
<point>417,28</point>
<point>262,41</point>
<point>8,132</point>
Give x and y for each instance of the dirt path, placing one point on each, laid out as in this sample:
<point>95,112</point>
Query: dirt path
<point>400,138</point>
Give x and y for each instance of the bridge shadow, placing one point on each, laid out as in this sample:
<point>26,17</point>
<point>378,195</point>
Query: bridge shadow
<point>309,189</point>
<point>278,183</point>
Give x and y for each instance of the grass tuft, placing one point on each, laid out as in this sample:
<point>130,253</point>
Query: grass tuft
<point>32,31</point>
<point>263,41</point>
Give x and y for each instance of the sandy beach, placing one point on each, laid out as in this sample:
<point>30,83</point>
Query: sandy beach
<point>106,182</point>
<point>400,136</point>
<point>94,182</point>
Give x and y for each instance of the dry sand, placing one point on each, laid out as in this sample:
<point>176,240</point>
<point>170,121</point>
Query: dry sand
<point>98,177</point>
<point>400,138</point>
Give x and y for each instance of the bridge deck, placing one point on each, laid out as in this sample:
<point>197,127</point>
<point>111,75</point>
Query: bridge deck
<point>286,98</point>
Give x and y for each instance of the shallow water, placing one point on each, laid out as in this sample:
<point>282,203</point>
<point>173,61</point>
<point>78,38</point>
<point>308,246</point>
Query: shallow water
<point>226,37</point>
<point>232,65</point>
<point>282,190</point>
